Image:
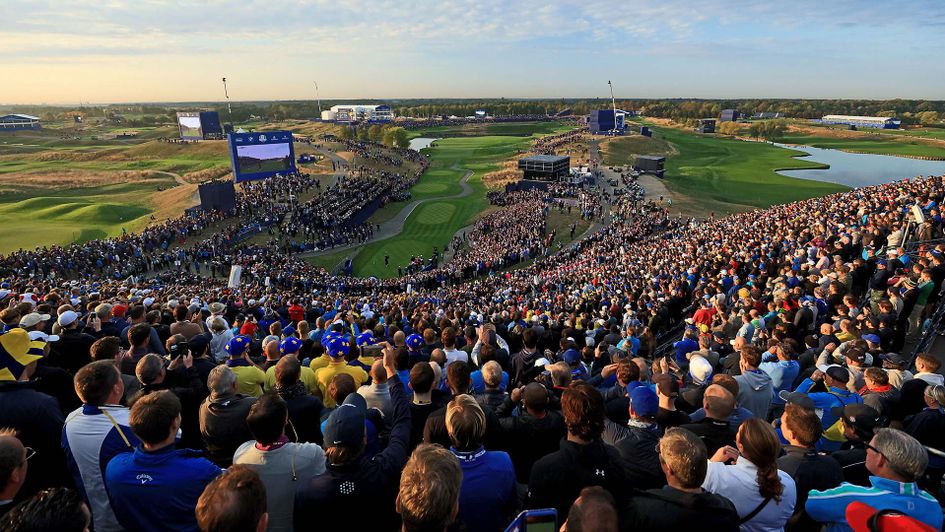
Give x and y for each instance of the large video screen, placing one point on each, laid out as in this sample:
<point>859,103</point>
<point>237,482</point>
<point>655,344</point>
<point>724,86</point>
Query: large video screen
<point>189,124</point>
<point>261,155</point>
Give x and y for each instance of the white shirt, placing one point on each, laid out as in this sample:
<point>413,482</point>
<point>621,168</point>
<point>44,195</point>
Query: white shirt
<point>738,483</point>
<point>454,355</point>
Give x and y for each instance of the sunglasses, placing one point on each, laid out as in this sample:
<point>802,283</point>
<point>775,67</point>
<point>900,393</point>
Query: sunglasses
<point>30,452</point>
<point>874,449</point>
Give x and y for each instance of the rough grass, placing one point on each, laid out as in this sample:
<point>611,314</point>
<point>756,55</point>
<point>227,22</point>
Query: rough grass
<point>622,150</point>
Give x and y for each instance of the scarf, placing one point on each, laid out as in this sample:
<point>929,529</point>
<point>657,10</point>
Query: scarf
<point>296,389</point>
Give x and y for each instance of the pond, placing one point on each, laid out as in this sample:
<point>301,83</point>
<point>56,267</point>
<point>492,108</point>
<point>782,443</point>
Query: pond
<point>860,169</point>
<point>419,143</point>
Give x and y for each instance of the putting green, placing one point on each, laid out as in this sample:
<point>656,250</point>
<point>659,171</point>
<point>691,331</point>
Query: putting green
<point>435,213</point>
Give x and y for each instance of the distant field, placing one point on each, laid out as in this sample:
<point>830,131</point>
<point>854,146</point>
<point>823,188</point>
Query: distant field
<point>737,172</point>
<point>516,129</point>
<point>621,150</point>
<point>879,143</point>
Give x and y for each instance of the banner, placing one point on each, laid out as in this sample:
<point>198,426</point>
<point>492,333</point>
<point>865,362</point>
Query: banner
<point>235,273</point>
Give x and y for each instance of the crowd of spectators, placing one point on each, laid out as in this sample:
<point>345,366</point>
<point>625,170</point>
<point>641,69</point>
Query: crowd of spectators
<point>788,403</point>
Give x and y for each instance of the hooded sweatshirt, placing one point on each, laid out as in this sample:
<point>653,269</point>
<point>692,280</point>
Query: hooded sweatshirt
<point>755,390</point>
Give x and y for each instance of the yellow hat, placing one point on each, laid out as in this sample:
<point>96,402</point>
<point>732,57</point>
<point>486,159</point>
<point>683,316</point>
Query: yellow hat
<point>16,352</point>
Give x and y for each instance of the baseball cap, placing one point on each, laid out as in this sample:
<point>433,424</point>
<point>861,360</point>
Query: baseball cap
<point>893,358</point>
<point>872,338</point>
<point>414,342</point>
<point>700,369</point>
<point>67,318</point>
<point>15,354</point>
<point>337,346</point>
<point>290,345</point>
<point>864,518</point>
<point>881,262</point>
<point>863,418</point>
<point>572,357</point>
<point>288,330</point>
<point>666,384</point>
<point>644,402</point>
<point>43,337</point>
<point>198,344</point>
<point>237,345</point>
<point>835,371</point>
<point>855,354</point>
<point>366,338</point>
<point>33,318</point>
<point>797,398</point>
<point>345,425</point>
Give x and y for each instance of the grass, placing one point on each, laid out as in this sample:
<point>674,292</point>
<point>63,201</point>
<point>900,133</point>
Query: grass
<point>622,150</point>
<point>516,129</point>
<point>561,221</point>
<point>330,260</point>
<point>736,172</point>
<point>434,222</point>
<point>878,143</point>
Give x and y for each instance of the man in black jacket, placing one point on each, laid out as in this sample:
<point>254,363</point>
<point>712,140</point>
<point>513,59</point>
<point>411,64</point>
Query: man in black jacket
<point>73,350</point>
<point>681,504</point>
<point>524,360</point>
<point>714,430</point>
<point>305,410</point>
<point>355,487</point>
<point>637,440</point>
<point>811,471</point>
<point>223,417</point>
<point>535,432</point>
<point>583,459</point>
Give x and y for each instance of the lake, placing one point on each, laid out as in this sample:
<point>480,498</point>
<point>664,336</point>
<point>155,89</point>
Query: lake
<point>419,143</point>
<point>860,169</point>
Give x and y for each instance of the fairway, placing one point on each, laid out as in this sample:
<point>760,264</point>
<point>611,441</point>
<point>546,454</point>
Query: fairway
<point>433,223</point>
<point>621,150</point>
<point>734,171</point>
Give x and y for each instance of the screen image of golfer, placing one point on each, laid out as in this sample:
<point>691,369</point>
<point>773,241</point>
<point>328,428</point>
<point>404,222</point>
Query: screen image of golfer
<point>189,126</point>
<point>263,158</point>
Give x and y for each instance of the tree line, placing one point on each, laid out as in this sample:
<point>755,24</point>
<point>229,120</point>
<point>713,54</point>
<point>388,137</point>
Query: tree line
<point>387,134</point>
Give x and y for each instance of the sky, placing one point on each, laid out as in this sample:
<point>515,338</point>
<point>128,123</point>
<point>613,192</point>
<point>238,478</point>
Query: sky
<point>100,51</point>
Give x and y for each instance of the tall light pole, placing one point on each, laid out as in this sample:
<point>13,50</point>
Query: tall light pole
<point>614,103</point>
<point>317,99</point>
<point>228,108</point>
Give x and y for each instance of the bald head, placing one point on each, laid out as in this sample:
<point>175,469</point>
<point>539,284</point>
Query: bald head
<point>378,373</point>
<point>718,402</point>
<point>400,340</point>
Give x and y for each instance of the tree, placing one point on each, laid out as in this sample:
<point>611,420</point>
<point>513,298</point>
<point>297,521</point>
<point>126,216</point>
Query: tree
<point>375,133</point>
<point>388,137</point>
<point>346,132</point>
<point>400,138</point>
<point>362,133</point>
<point>729,128</point>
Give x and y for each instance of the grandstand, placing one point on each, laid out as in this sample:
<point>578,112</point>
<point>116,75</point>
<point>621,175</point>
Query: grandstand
<point>876,122</point>
<point>19,122</point>
<point>346,113</point>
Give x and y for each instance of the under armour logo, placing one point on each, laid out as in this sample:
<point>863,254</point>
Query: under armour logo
<point>346,487</point>
<point>600,473</point>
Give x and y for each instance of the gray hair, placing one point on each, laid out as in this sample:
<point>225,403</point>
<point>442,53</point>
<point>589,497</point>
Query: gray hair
<point>217,324</point>
<point>103,311</point>
<point>149,368</point>
<point>905,454</point>
<point>492,374</point>
<point>937,393</point>
<point>221,380</point>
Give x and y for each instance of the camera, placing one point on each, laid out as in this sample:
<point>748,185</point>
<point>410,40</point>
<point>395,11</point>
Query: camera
<point>179,349</point>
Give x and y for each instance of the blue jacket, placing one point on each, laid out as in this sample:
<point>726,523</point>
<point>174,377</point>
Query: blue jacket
<point>823,403</point>
<point>158,490</point>
<point>830,507</point>
<point>782,373</point>
<point>488,494</point>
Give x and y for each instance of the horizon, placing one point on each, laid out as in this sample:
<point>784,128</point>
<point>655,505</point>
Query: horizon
<point>116,52</point>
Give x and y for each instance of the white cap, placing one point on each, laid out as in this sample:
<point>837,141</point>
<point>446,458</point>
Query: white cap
<point>148,301</point>
<point>67,318</point>
<point>33,318</point>
<point>40,335</point>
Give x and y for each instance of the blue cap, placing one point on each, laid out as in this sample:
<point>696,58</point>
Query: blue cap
<point>337,347</point>
<point>644,402</point>
<point>881,262</point>
<point>345,425</point>
<point>414,342</point>
<point>872,338</point>
<point>366,338</point>
<point>290,345</point>
<point>288,330</point>
<point>572,357</point>
<point>237,345</point>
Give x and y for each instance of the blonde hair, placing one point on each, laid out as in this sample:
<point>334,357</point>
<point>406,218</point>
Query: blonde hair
<point>429,488</point>
<point>465,423</point>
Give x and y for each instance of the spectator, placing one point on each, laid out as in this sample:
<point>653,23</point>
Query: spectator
<point>421,382</point>
<point>434,430</point>
<point>73,350</point>
<point>763,496</point>
<point>783,370</point>
<point>280,463</point>
<point>895,365</point>
<point>535,431</point>
<point>182,324</point>
<point>169,479</point>
<point>429,496</point>
<point>275,351</point>
<point>492,395</point>
<point>594,510</point>
<point>878,393</point>
<point>305,410</point>
<point>221,337</point>
<point>59,509</point>
<point>583,460</point>
<point>667,390</point>
<point>181,378</point>
<point>223,417</point>
<point>835,378</point>
<point>377,394</point>
<point>896,460</point>
<point>354,481</point>
<point>95,433</point>
<point>718,404</point>
<point>755,387</point>
<point>488,496</point>
<point>234,501</point>
<point>637,442</point>
<point>810,470</point>
<point>337,348</point>
<point>928,427</point>
<point>682,503</point>
<point>107,349</point>
<point>858,423</point>
<point>249,378</point>
<point>913,392</point>
<point>14,461</point>
<point>35,416</point>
